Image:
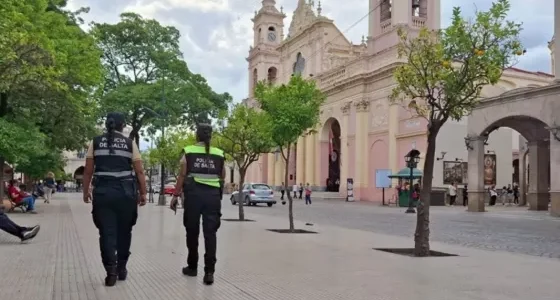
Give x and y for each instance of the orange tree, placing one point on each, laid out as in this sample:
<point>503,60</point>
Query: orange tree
<point>244,136</point>
<point>293,109</point>
<point>443,77</point>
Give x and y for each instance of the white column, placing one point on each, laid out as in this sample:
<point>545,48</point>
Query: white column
<point>309,159</point>
<point>300,160</point>
<point>344,147</point>
<point>477,193</point>
<point>401,12</point>
<point>539,160</point>
<point>554,176</point>
<point>557,40</point>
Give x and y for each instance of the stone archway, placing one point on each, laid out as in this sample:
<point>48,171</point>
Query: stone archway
<point>331,154</point>
<point>482,166</point>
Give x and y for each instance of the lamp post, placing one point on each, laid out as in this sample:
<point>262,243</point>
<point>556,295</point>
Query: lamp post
<point>161,198</point>
<point>411,159</point>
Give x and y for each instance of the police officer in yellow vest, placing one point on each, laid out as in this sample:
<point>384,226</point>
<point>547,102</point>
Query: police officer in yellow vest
<point>201,180</point>
<point>114,162</point>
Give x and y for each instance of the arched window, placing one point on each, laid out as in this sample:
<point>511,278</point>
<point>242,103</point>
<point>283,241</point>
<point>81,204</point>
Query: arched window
<point>299,65</point>
<point>272,74</point>
<point>255,79</point>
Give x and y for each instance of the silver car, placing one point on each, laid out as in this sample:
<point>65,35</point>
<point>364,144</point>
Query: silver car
<point>254,193</point>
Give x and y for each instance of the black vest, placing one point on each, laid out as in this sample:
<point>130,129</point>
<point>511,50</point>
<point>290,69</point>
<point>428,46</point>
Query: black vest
<point>117,165</point>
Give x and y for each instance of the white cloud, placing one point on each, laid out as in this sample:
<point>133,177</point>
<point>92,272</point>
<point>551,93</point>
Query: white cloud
<point>216,34</point>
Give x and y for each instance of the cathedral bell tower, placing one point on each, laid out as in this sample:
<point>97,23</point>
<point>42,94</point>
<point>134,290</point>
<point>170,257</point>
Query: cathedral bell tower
<point>388,15</point>
<point>268,31</point>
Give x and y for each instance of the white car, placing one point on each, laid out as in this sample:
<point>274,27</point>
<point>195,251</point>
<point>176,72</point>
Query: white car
<point>253,194</point>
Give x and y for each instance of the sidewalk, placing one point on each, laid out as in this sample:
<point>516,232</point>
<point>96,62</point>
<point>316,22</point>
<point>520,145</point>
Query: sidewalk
<point>63,263</point>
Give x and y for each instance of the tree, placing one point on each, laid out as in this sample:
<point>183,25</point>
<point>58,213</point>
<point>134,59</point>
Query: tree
<point>443,77</point>
<point>244,138</point>
<point>48,70</point>
<point>169,149</point>
<point>147,78</point>
<point>293,110</point>
<point>40,163</point>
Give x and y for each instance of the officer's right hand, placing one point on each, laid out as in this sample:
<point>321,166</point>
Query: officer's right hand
<point>142,200</point>
<point>87,198</point>
<point>173,203</point>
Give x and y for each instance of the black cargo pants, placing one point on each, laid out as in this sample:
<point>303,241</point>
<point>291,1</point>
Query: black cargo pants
<point>206,201</point>
<point>115,212</point>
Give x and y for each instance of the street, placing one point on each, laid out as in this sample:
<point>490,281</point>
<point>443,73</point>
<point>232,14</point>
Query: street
<point>511,229</point>
<point>338,263</point>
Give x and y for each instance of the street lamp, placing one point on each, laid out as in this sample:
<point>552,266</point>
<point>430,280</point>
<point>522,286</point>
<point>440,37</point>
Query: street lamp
<point>412,159</point>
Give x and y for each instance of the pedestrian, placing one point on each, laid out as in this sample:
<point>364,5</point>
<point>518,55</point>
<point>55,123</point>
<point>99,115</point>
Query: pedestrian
<point>115,164</point>
<point>300,190</point>
<point>20,197</point>
<point>493,195</point>
<point>452,193</point>
<point>295,190</point>
<point>201,180</point>
<point>509,194</point>
<point>9,226</point>
<point>282,191</point>
<point>516,194</point>
<point>465,196</point>
<point>307,194</point>
<point>50,186</point>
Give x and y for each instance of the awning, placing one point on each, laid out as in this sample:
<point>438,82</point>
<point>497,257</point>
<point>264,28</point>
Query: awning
<point>405,174</point>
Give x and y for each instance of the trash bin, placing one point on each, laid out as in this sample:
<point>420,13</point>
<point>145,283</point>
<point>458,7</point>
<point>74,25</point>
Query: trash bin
<point>404,197</point>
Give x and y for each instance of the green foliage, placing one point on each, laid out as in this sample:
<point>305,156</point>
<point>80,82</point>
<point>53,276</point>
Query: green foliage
<point>446,70</point>
<point>169,149</point>
<point>19,143</point>
<point>245,136</point>
<point>292,108</point>
<point>40,163</point>
<point>147,78</point>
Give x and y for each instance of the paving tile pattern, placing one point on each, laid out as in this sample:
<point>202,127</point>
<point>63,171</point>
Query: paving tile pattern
<point>63,262</point>
<point>510,229</point>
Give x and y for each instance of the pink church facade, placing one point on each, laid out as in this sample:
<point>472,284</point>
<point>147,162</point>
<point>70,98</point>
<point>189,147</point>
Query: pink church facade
<point>360,130</point>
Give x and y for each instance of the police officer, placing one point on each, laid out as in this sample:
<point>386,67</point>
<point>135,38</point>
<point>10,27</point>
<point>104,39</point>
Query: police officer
<point>115,163</point>
<point>201,180</point>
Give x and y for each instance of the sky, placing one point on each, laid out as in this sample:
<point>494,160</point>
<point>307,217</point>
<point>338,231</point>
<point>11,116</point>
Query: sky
<point>216,34</point>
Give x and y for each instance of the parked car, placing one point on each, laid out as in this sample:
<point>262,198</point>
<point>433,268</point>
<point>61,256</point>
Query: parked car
<point>253,194</point>
<point>169,189</point>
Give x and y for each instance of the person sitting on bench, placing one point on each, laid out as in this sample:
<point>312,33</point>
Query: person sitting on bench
<point>24,233</point>
<point>20,197</point>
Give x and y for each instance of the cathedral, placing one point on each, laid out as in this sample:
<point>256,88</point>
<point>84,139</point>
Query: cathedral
<point>360,133</point>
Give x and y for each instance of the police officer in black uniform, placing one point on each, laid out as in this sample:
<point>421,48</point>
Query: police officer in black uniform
<point>201,180</point>
<point>115,164</point>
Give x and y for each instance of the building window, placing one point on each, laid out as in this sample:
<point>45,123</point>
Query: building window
<point>386,7</point>
<point>272,74</point>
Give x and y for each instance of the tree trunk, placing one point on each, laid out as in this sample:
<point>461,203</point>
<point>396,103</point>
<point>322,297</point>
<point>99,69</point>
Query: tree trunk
<point>242,171</point>
<point>288,193</point>
<point>3,104</point>
<point>2,162</point>
<point>422,234</point>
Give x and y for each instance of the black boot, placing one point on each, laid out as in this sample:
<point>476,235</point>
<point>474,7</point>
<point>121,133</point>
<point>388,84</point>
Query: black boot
<point>208,278</point>
<point>112,275</point>
<point>192,272</point>
<point>121,270</point>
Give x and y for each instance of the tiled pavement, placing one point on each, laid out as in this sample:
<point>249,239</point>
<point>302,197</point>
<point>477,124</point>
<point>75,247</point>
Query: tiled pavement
<point>63,263</point>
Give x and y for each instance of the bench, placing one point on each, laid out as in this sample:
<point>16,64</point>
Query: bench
<point>10,205</point>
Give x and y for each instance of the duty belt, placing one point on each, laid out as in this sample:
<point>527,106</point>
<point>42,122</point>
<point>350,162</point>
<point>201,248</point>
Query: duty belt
<point>121,174</point>
<point>203,176</point>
